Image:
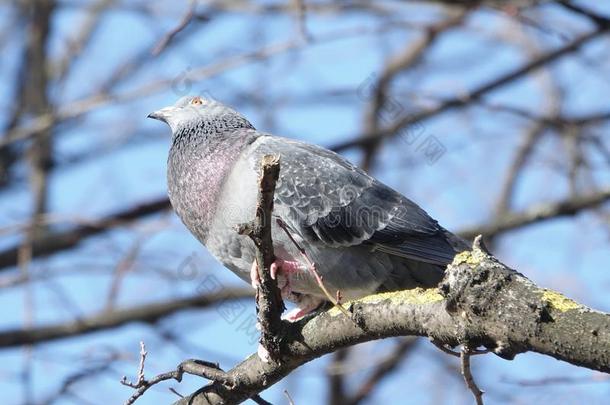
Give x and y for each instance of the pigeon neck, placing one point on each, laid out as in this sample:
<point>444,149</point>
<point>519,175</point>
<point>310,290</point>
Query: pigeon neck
<point>209,127</point>
<point>198,165</point>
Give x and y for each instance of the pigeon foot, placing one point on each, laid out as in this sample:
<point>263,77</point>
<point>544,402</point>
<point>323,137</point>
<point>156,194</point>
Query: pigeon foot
<point>281,270</point>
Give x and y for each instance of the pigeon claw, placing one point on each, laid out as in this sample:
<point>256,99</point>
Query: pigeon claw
<point>254,278</point>
<point>278,268</point>
<point>286,266</point>
<point>282,271</point>
<point>275,267</point>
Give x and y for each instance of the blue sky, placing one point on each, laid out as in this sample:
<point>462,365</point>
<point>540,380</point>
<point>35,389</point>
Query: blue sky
<point>460,189</point>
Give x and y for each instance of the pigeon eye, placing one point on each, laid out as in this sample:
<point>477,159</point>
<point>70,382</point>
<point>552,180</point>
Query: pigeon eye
<point>197,101</point>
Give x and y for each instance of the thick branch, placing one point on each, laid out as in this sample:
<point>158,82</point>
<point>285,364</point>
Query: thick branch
<point>481,302</point>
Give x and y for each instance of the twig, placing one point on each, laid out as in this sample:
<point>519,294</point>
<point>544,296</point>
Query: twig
<point>401,62</point>
<point>465,368</point>
<point>167,38</point>
<point>201,368</point>
<point>443,348</point>
<point>173,391</point>
<point>268,297</point>
<point>382,370</point>
<point>560,380</point>
<point>140,381</point>
<point>56,241</point>
<point>336,377</point>
<point>290,401</point>
<point>301,12</point>
<point>78,44</point>
<point>208,370</point>
<point>123,267</point>
<point>538,213</point>
<point>601,21</point>
<point>260,401</point>
<point>67,385</point>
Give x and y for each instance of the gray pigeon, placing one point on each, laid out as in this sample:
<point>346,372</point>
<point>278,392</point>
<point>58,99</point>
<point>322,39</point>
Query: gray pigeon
<point>362,235</point>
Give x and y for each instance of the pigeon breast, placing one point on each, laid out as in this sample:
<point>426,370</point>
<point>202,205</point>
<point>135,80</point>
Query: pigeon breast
<point>197,169</point>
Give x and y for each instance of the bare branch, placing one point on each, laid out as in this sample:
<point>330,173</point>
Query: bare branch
<point>542,212</point>
<point>467,373</point>
<point>58,241</point>
<point>268,298</point>
<point>301,17</point>
<point>385,368</point>
<point>188,16</point>
<point>140,381</point>
<point>205,369</point>
<point>69,111</point>
<point>201,368</point>
<point>149,313</point>
<point>596,18</point>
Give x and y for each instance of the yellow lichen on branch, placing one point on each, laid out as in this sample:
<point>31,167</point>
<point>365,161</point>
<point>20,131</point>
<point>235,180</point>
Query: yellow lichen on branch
<point>559,301</point>
<point>465,257</point>
<point>418,296</point>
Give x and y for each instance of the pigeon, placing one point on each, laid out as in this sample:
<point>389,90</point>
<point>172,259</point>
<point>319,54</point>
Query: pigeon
<point>362,236</point>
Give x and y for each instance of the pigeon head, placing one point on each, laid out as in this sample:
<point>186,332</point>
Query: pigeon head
<point>198,112</point>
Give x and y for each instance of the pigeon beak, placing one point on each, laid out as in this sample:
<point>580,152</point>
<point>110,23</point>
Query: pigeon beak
<point>162,114</point>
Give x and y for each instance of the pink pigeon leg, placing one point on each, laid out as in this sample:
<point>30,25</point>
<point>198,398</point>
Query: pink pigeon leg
<point>285,267</point>
<point>282,270</point>
<point>305,303</point>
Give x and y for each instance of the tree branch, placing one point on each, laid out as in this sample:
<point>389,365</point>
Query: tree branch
<point>149,313</point>
<point>269,302</point>
<point>167,38</point>
<point>481,302</point>
<point>467,374</point>
<point>383,369</point>
<point>510,221</point>
<point>53,242</point>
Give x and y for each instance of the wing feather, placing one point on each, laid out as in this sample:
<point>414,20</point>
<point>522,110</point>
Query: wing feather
<point>326,199</point>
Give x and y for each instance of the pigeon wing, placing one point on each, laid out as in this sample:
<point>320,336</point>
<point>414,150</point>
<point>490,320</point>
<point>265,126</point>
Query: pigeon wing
<point>325,199</point>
